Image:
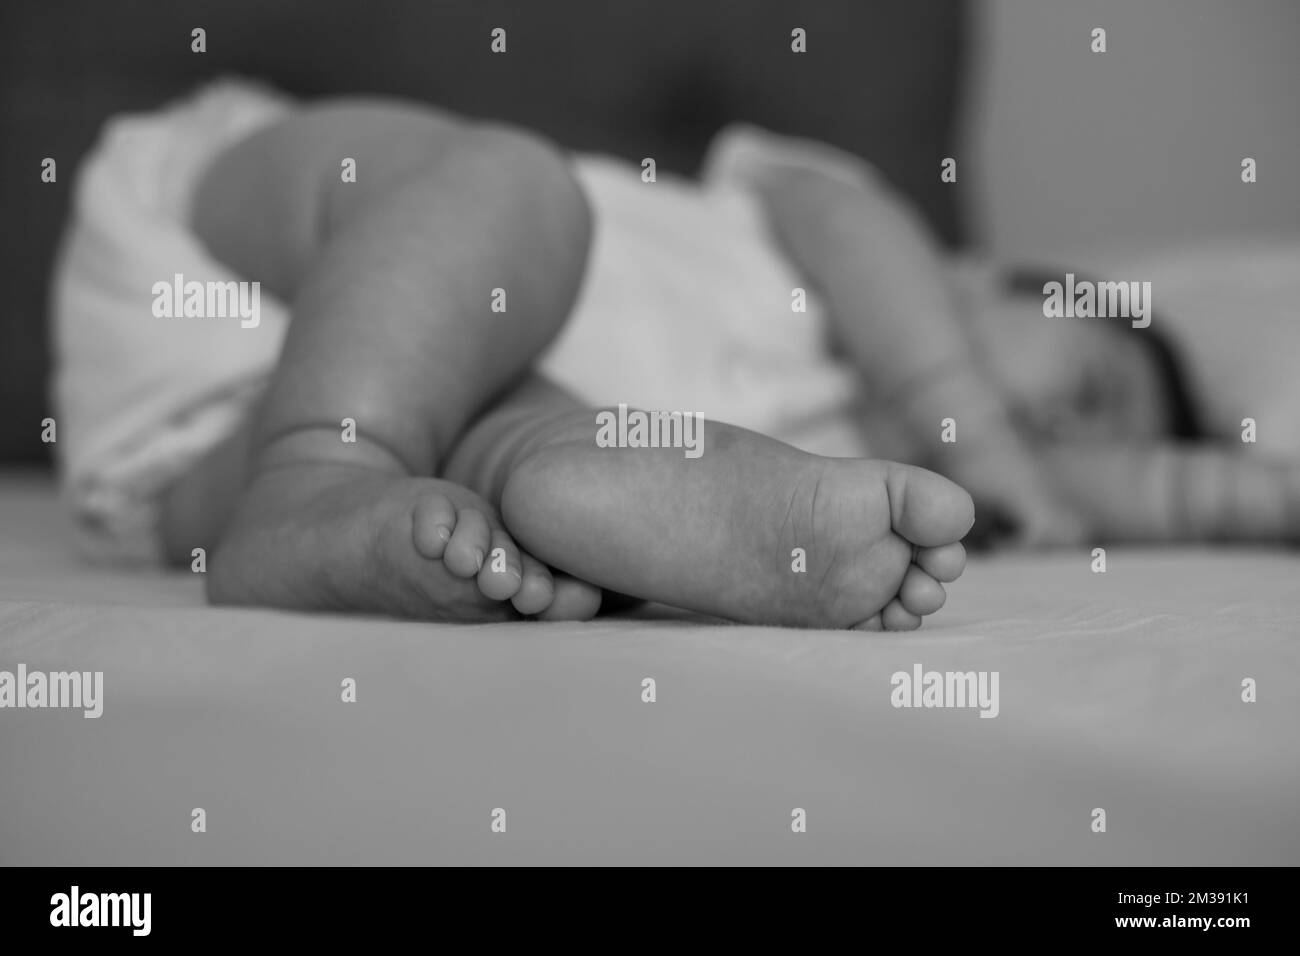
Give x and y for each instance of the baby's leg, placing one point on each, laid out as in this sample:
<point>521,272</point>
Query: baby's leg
<point>391,280</point>
<point>752,530</point>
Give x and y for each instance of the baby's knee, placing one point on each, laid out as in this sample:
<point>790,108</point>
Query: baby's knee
<point>538,176</point>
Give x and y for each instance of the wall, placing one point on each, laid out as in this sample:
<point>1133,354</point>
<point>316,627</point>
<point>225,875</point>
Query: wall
<point>1138,145</point>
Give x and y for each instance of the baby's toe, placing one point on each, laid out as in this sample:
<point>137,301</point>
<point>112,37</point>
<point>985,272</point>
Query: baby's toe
<point>432,523</point>
<point>574,600</point>
<point>502,572</point>
<point>895,617</point>
<point>926,508</point>
<point>537,590</point>
<point>468,547</point>
<point>944,563</point>
<point>921,594</point>
<point>873,623</point>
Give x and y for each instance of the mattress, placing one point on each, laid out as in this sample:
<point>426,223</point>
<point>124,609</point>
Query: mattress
<point>535,743</point>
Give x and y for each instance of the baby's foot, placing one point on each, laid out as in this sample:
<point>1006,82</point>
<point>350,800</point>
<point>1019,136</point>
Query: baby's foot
<point>472,545</point>
<point>753,530</point>
<point>325,536</point>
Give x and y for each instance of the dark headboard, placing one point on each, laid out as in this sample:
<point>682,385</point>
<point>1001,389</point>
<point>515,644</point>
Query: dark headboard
<point>632,77</point>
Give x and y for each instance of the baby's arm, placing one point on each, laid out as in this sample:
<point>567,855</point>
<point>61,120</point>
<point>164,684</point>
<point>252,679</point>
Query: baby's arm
<point>1167,493</point>
<point>879,272</point>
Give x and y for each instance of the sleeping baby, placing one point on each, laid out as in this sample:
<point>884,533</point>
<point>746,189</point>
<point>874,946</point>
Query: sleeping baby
<point>364,355</point>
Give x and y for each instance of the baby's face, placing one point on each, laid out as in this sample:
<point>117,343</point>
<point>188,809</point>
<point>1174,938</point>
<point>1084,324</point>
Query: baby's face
<point>1071,379</point>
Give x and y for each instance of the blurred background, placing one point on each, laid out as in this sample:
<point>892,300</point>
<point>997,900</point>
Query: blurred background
<point>1138,146</point>
<point>1059,149</point>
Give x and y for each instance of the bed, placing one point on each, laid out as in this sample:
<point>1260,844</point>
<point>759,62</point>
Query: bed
<point>1119,690</point>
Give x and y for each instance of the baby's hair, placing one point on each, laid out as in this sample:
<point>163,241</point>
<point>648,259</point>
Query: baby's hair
<point>1185,420</point>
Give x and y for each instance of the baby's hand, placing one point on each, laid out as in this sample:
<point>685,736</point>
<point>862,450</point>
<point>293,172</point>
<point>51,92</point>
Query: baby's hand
<point>1016,501</point>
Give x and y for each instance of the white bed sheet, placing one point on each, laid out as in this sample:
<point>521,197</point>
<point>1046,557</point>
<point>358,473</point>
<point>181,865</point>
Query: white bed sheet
<point>1119,690</point>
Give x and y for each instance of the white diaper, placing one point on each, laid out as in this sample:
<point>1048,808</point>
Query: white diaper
<point>687,306</point>
<point>138,398</point>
